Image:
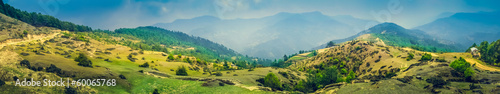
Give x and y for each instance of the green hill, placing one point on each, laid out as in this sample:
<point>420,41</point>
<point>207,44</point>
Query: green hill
<point>394,35</point>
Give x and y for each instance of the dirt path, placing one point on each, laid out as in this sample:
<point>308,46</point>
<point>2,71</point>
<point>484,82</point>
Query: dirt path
<point>480,66</point>
<point>41,37</point>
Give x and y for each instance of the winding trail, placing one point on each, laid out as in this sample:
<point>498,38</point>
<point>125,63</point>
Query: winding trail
<point>41,37</point>
<point>481,66</point>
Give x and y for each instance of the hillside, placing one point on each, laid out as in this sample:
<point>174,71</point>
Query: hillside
<point>102,55</point>
<point>15,29</point>
<point>465,28</point>
<point>272,36</point>
<point>40,20</point>
<point>386,69</point>
<point>394,35</point>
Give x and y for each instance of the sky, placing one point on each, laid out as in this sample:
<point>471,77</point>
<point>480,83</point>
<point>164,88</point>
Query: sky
<point>113,14</point>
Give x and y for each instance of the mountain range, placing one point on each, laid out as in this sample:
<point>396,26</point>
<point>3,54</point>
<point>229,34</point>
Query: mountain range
<point>395,35</point>
<point>273,36</point>
<point>465,28</point>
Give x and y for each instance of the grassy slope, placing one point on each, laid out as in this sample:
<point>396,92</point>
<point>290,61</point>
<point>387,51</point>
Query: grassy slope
<point>394,57</point>
<point>136,82</point>
<point>13,28</point>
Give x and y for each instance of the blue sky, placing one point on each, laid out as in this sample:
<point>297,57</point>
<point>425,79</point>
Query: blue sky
<point>112,14</point>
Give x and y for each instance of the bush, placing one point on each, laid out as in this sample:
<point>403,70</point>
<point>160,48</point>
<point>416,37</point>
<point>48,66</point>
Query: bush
<point>317,79</point>
<point>181,71</point>
<point>122,77</point>
<point>410,57</point>
<point>440,60</point>
<point>217,74</point>
<point>468,72</point>
<point>83,60</point>
<point>156,91</point>
<point>25,63</point>
<point>272,81</point>
<point>170,57</point>
<point>426,57</point>
<point>70,90</point>
<point>53,69</point>
<point>351,76</point>
<point>251,69</point>
<point>462,66</point>
<point>436,82</point>
<point>2,82</point>
<point>131,58</point>
<point>145,65</point>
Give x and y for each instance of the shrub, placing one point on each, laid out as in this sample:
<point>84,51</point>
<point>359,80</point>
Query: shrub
<point>83,60</point>
<point>131,58</point>
<point>462,66</point>
<point>156,91</point>
<point>171,57</point>
<point>145,65</point>
<point>441,60</point>
<point>15,78</point>
<point>358,48</point>
<point>122,77</point>
<point>272,81</point>
<point>251,69</point>
<point>436,82</point>
<point>351,76</point>
<point>181,71</point>
<point>2,82</point>
<point>53,69</point>
<point>284,74</point>
<point>25,54</point>
<point>426,57</point>
<point>317,79</point>
<point>218,74</point>
<point>344,71</point>
<point>468,72</point>
<point>410,57</point>
<point>25,63</point>
<point>70,90</point>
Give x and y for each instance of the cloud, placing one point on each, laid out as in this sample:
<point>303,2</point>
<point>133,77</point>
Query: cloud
<point>112,14</point>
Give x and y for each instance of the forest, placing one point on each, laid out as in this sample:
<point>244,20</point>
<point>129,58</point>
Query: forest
<point>38,19</point>
<point>157,39</point>
<point>490,52</point>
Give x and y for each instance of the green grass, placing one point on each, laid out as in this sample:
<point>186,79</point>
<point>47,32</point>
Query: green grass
<point>142,84</point>
<point>136,82</point>
<point>297,58</point>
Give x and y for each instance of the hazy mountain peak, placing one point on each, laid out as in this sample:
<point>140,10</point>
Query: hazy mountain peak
<point>386,27</point>
<point>272,36</point>
<point>205,18</point>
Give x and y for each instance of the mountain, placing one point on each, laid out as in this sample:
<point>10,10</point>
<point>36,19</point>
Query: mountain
<point>272,36</point>
<point>174,42</point>
<point>395,35</point>
<point>465,28</point>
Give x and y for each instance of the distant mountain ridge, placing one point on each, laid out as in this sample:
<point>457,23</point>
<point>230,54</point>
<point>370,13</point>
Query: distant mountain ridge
<point>466,28</point>
<point>395,35</point>
<point>272,36</point>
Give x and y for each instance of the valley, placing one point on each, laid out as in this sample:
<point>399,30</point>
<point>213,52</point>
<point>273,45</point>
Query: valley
<point>313,53</point>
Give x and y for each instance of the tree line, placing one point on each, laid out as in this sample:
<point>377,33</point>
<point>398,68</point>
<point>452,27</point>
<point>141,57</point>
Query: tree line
<point>490,52</point>
<point>39,20</point>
